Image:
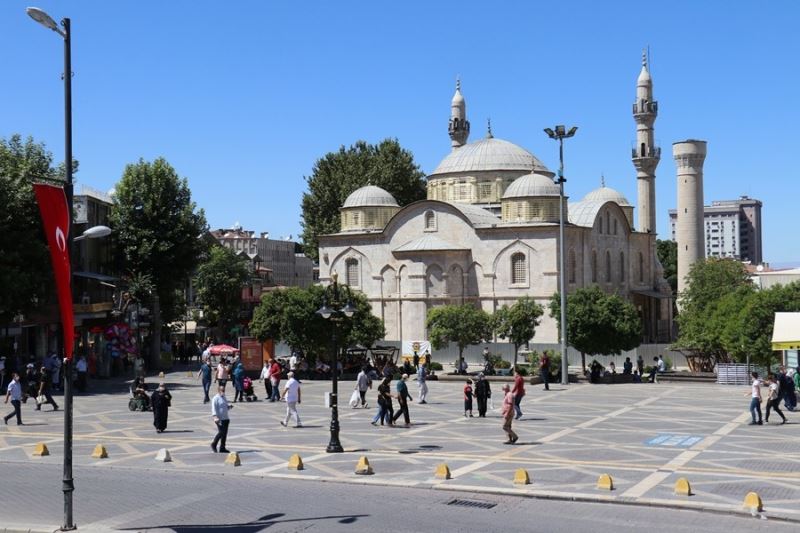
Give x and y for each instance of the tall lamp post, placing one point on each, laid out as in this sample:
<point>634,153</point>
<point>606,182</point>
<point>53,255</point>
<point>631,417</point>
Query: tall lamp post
<point>335,313</point>
<point>45,20</point>
<point>559,135</point>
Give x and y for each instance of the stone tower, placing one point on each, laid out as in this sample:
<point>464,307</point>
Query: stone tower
<point>689,157</point>
<point>459,125</point>
<point>645,154</point>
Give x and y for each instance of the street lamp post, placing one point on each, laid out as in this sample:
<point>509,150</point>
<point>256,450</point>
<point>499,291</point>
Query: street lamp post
<point>560,134</point>
<point>45,20</point>
<point>335,313</point>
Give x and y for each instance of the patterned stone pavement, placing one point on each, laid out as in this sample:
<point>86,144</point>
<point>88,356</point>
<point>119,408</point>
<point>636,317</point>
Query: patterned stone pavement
<point>644,436</point>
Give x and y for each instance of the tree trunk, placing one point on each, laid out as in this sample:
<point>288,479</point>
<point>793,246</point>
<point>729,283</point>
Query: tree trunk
<point>516,352</point>
<point>155,329</point>
<point>583,362</point>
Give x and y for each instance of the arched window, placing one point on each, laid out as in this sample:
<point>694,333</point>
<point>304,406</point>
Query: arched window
<point>430,221</point>
<point>608,266</point>
<point>642,149</point>
<point>615,226</point>
<point>351,272</point>
<point>571,266</point>
<point>622,266</point>
<point>594,266</point>
<point>519,269</point>
<point>641,268</point>
<point>608,222</point>
<point>600,219</point>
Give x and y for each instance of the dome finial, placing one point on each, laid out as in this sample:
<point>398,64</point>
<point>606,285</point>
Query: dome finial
<point>644,58</point>
<point>458,82</point>
<point>602,180</point>
<point>489,129</point>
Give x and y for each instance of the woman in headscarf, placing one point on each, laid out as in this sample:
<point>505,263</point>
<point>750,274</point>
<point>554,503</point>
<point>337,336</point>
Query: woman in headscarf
<point>161,401</point>
<point>238,380</point>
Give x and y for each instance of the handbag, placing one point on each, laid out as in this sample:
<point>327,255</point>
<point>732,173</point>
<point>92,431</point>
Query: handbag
<point>41,399</point>
<point>354,398</point>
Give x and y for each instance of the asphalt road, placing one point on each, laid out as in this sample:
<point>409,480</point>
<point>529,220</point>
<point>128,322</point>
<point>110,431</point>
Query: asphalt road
<point>127,499</point>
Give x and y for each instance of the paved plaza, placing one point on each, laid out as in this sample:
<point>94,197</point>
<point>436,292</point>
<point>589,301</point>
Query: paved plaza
<point>644,436</point>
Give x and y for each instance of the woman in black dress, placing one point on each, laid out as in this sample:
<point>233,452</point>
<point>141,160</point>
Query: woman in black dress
<point>161,401</point>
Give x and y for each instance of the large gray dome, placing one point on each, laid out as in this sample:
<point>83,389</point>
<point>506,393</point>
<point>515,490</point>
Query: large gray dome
<point>370,195</point>
<point>489,154</point>
<point>532,185</point>
<point>607,194</point>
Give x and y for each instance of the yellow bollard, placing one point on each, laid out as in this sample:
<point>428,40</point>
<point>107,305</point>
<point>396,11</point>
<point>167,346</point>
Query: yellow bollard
<point>682,487</point>
<point>363,467</point>
<point>233,459</point>
<point>295,462</point>
<point>100,452</point>
<point>753,502</point>
<point>605,482</point>
<point>442,471</point>
<point>521,477</point>
<point>40,450</point>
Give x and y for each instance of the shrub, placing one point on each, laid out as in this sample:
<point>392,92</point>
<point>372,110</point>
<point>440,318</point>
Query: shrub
<point>502,363</point>
<point>435,366</point>
<point>522,371</point>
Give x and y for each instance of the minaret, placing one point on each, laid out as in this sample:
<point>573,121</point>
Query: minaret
<point>646,154</point>
<point>689,156</point>
<point>459,125</point>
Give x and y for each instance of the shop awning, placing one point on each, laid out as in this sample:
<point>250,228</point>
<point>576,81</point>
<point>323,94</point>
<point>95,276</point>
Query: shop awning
<point>190,328</point>
<point>786,331</point>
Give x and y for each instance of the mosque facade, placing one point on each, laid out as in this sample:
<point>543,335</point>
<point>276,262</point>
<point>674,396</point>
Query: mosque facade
<point>487,234</point>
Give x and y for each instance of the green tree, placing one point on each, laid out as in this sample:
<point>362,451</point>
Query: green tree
<point>459,324</point>
<point>705,309</point>
<point>158,234</point>
<point>219,281</point>
<point>290,316</point>
<point>518,322</point>
<point>338,174</point>
<point>747,327</point>
<point>598,323</point>
<point>667,252</point>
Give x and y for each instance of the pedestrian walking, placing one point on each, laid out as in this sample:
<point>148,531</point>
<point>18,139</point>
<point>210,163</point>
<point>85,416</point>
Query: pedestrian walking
<point>363,383</point>
<point>544,370</point>
<point>161,401</point>
<point>219,412</point>
<point>265,378</point>
<point>468,398</point>
<point>508,414</point>
<point>483,391</point>
<point>640,364</point>
<point>222,372</point>
<point>422,376</point>
<point>205,376</point>
<point>774,398</point>
<point>384,403</point>
<point>291,393</point>
<point>275,380</point>
<point>415,361</point>
<point>238,380</point>
<point>14,393</point>
<point>82,367</point>
<point>55,374</point>
<point>403,397</point>
<point>518,391</point>
<point>787,389</point>
<point>755,399</point>
<point>43,395</point>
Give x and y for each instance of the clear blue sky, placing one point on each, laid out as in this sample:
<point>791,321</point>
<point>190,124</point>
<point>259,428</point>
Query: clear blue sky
<point>243,97</point>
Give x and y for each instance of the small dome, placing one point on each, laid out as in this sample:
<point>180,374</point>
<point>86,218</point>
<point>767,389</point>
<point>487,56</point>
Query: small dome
<point>644,77</point>
<point>370,195</point>
<point>458,98</point>
<point>531,185</point>
<point>489,154</point>
<point>607,194</point>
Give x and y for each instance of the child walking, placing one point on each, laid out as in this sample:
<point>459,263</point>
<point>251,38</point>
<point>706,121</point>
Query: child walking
<point>468,398</point>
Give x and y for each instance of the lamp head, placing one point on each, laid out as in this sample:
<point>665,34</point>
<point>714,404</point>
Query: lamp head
<point>325,311</point>
<point>572,131</point>
<point>349,310</point>
<point>44,19</point>
<point>550,133</point>
<point>560,130</point>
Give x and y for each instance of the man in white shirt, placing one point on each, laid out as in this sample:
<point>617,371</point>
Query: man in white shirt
<point>291,393</point>
<point>293,362</point>
<point>82,367</point>
<point>755,400</point>
<point>662,366</point>
<point>15,395</point>
<point>219,410</point>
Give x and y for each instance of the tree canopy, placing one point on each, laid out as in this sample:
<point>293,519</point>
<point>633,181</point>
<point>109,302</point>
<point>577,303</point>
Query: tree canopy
<point>158,235</point>
<point>25,269</point>
<point>598,323</point>
<point>219,281</point>
<point>667,252</point>
<point>518,322</point>
<point>290,315</point>
<point>337,174</point>
<point>462,325</point>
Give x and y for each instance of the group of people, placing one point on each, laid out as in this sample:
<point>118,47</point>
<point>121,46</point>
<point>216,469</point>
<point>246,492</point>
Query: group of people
<point>33,383</point>
<point>782,386</point>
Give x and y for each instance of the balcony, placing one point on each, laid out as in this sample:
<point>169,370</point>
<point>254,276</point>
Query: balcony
<point>654,152</point>
<point>643,107</point>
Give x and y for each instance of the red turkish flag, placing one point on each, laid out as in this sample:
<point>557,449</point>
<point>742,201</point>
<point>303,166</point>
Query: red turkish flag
<point>55,215</point>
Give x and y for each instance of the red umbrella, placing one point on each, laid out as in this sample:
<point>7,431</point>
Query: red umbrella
<point>219,349</point>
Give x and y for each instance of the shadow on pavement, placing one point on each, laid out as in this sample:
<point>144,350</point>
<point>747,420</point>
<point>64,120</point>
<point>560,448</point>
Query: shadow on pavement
<point>249,527</point>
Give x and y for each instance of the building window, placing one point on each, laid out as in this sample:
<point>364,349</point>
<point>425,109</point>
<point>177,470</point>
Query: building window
<point>430,221</point>
<point>594,266</point>
<point>351,272</point>
<point>641,268</point>
<point>601,224</point>
<point>571,266</point>
<point>518,269</point>
<point>615,226</point>
<point>608,266</point>
<point>622,266</point>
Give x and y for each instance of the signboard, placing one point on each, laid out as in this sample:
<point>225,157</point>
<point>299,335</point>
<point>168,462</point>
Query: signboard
<point>421,347</point>
<point>251,353</point>
<point>681,441</point>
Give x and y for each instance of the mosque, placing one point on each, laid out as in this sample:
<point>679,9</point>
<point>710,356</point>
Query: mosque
<point>487,234</point>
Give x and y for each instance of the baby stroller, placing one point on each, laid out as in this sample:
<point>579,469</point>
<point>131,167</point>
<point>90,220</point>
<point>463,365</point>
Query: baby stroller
<point>249,393</point>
